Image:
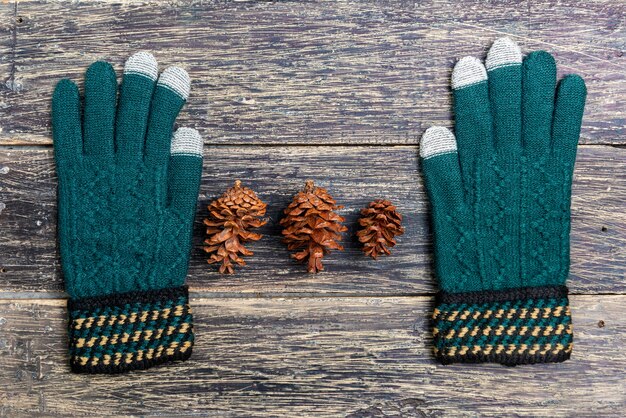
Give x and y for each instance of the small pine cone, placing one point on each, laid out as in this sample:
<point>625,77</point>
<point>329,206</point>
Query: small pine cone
<point>381,222</point>
<point>310,224</point>
<point>228,226</point>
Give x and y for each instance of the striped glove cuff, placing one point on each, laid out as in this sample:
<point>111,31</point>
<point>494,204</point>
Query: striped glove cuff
<point>136,330</point>
<point>515,326</point>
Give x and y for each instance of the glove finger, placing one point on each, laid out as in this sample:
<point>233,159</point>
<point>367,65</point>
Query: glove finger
<point>442,173</point>
<point>99,115</point>
<point>450,215</point>
<point>66,125</point>
<point>169,97</point>
<point>140,74</point>
<point>568,114</point>
<point>504,66</point>
<point>500,185</point>
<point>185,171</point>
<point>472,114</point>
<point>538,83</point>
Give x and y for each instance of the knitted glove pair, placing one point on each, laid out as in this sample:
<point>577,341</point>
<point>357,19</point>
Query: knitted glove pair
<point>500,195</point>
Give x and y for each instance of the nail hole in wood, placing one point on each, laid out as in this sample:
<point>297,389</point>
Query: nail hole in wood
<point>19,19</point>
<point>3,270</point>
<point>600,324</point>
<point>604,229</point>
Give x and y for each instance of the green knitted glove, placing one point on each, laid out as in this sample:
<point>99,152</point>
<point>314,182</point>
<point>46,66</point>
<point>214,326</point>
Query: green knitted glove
<point>127,197</point>
<point>500,196</point>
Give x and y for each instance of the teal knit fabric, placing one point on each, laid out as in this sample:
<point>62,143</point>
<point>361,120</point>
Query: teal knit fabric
<point>500,196</point>
<point>127,197</point>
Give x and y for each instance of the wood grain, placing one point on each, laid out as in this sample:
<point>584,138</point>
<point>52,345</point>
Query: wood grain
<point>368,72</point>
<point>8,39</point>
<point>353,357</point>
<point>354,175</point>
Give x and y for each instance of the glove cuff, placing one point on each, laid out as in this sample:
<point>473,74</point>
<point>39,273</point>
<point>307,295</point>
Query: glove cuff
<point>515,326</point>
<point>129,331</point>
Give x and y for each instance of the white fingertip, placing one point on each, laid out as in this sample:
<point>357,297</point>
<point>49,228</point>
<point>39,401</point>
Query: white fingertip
<point>142,63</point>
<point>177,80</point>
<point>437,140</point>
<point>187,141</point>
<point>503,52</point>
<point>468,71</point>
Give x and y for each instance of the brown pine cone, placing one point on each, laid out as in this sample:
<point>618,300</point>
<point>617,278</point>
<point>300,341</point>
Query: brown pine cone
<point>381,222</point>
<point>228,226</point>
<point>310,223</point>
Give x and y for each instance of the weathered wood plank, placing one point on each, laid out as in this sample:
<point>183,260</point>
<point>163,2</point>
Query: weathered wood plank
<point>354,175</point>
<point>357,357</point>
<point>313,72</point>
<point>8,38</point>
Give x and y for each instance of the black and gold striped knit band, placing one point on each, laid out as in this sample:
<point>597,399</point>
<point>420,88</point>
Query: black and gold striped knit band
<point>515,326</point>
<point>129,331</point>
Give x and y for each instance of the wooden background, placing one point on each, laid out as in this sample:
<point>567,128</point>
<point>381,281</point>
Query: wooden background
<point>339,92</point>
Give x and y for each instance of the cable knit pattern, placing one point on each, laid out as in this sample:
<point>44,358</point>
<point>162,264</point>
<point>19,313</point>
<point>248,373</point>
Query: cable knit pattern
<point>519,226</point>
<point>125,239</point>
<point>494,216</point>
<point>464,250</point>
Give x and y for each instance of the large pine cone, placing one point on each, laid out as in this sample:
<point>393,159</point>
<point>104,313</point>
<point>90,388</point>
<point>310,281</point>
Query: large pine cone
<point>228,226</point>
<point>310,223</point>
<point>381,223</point>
